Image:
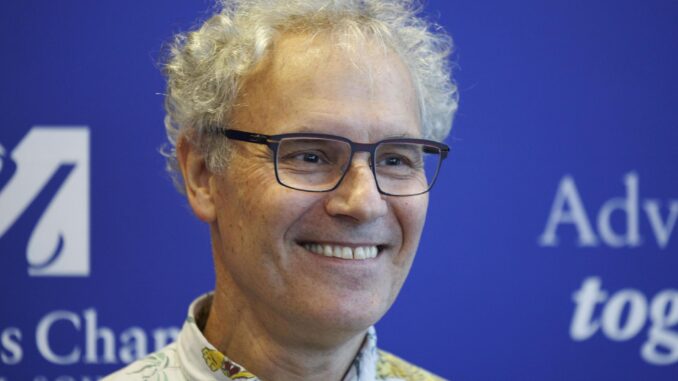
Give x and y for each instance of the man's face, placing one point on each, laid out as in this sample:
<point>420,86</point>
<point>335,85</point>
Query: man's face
<point>261,227</point>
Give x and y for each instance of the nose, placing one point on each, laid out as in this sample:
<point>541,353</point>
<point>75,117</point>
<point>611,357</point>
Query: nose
<point>357,197</point>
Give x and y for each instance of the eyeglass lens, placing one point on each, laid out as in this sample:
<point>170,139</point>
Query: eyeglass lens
<point>318,164</point>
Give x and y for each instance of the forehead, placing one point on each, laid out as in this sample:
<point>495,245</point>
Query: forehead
<point>360,89</point>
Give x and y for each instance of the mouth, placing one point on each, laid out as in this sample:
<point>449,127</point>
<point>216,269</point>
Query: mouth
<point>344,252</point>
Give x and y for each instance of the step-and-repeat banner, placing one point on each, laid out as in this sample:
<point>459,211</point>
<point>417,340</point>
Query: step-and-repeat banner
<point>551,246</point>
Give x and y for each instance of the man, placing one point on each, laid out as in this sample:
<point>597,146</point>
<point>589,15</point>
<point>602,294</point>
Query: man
<point>298,129</point>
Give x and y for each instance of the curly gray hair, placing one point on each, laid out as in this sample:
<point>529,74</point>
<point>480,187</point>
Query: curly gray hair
<point>205,68</point>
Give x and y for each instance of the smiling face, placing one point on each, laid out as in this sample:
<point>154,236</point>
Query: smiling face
<point>269,241</point>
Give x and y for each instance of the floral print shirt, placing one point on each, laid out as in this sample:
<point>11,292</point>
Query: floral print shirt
<point>193,358</point>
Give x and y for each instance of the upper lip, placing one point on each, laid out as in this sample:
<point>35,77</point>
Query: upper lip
<point>352,245</point>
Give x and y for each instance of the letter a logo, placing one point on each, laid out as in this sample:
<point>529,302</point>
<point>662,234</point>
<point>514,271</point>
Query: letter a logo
<point>44,201</point>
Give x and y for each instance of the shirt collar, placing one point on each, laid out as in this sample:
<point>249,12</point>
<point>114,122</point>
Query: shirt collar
<point>200,360</point>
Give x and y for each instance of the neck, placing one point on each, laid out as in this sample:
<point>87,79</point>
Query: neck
<point>272,348</point>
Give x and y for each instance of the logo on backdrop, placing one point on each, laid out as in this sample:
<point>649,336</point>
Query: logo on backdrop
<point>44,199</point>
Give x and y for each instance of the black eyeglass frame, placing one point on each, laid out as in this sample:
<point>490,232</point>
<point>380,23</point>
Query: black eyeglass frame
<point>272,141</point>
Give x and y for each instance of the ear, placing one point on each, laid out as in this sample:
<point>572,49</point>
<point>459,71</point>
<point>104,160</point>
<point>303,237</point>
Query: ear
<point>197,179</point>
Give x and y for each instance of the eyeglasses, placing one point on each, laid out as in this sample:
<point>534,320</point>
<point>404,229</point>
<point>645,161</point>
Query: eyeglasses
<point>318,162</point>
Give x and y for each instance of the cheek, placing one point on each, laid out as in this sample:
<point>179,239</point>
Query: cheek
<point>411,213</point>
<point>264,210</point>
<point>239,216</point>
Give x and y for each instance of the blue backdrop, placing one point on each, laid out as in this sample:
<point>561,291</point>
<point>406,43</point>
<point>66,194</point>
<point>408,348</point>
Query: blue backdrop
<point>550,250</point>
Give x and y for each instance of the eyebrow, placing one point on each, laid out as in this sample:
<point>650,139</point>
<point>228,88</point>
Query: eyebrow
<point>304,128</point>
<point>405,135</point>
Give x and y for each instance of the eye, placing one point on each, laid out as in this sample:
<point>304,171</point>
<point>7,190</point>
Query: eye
<point>306,157</point>
<point>395,160</point>
<point>392,161</point>
<point>399,156</point>
<point>309,157</point>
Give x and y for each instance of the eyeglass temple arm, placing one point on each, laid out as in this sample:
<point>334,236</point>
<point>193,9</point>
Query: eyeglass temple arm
<point>246,136</point>
<point>443,151</point>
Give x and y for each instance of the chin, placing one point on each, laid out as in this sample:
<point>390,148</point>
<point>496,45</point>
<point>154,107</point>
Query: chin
<point>350,315</point>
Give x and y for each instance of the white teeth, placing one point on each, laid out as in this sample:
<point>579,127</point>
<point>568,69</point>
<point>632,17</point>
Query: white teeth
<point>338,252</point>
<point>347,253</point>
<point>359,253</point>
<point>344,252</point>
